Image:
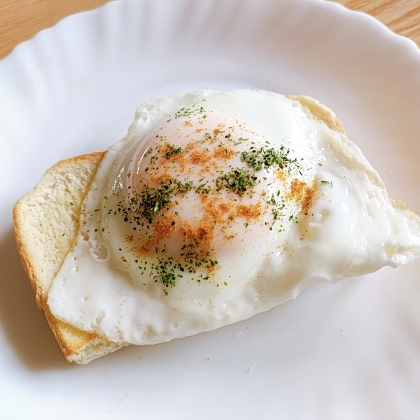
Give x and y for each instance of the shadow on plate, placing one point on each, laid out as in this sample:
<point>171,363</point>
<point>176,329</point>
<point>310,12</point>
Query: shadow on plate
<point>24,324</point>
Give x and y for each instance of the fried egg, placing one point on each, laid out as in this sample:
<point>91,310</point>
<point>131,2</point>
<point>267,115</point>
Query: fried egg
<point>217,206</point>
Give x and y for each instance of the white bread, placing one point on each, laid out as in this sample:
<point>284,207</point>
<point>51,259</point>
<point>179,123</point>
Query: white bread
<point>46,225</point>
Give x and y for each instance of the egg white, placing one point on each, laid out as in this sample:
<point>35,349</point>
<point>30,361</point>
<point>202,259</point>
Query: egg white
<point>106,285</point>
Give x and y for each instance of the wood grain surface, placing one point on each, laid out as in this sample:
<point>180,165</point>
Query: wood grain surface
<point>22,19</point>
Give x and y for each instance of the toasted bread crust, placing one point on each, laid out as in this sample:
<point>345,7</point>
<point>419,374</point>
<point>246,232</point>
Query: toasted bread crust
<point>31,214</point>
<point>63,183</point>
<point>319,111</point>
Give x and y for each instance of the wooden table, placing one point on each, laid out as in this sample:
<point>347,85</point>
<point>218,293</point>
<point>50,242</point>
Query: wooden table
<point>21,19</point>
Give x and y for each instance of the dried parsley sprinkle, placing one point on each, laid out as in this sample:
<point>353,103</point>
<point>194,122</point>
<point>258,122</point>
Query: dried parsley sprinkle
<point>165,273</point>
<point>183,188</point>
<point>154,200</point>
<point>327,182</point>
<point>239,141</point>
<point>238,180</point>
<point>263,158</point>
<point>203,189</point>
<point>172,150</point>
<point>186,112</point>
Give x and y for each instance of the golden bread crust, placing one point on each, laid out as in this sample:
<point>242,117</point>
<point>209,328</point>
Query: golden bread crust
<point>31,215</point>
<point>319,111</point>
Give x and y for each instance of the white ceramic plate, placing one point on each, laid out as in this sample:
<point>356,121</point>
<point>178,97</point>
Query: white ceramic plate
<point>337,352</point>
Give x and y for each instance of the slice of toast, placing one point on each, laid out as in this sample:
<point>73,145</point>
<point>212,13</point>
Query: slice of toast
<point>46,224</point>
